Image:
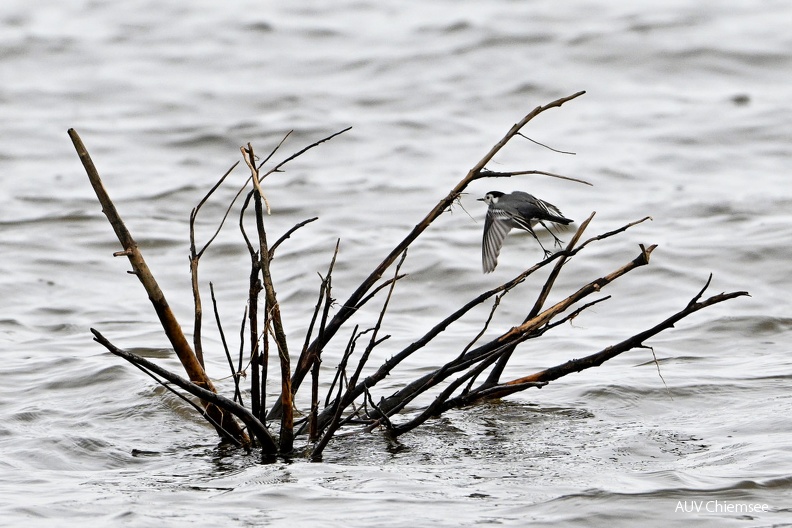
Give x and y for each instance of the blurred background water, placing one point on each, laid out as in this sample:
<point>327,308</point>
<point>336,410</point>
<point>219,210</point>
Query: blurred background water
<point>686,118</point>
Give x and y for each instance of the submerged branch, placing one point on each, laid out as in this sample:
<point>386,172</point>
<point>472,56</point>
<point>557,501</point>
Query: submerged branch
<point>220,403</point>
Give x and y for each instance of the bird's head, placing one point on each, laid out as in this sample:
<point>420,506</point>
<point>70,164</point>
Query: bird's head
<point>491,197</point>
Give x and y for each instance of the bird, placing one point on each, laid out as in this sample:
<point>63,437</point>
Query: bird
<point>517,209</point>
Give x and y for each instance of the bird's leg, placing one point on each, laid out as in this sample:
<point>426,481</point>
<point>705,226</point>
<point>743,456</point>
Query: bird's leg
<point>557,241</point>
<point>546,253</point>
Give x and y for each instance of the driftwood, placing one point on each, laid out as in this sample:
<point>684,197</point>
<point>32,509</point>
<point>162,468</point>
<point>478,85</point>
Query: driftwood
<point>349,401</point>
<point>170,325</point>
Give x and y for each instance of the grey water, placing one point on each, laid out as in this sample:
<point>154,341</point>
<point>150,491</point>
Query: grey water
<point>687,119</point>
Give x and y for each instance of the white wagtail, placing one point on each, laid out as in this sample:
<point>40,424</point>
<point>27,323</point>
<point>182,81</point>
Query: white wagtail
<point>518,209</point>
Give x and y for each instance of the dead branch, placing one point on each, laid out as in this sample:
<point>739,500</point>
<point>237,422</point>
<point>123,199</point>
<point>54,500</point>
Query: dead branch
<point>273,309</point>
<point>492,174</point>
<point>170,325</point>
<point>545,146</point>
<point>220,403</point>
<point>306,149</point>
<point>414,388</point>
<point>324,298</point>
<point>443,402</point>
<point>234,373</point>
<point>529,329</point>
<point>373,340</point>
<point>597,359</point>
<point>195,256</point>
<point>288,234</point>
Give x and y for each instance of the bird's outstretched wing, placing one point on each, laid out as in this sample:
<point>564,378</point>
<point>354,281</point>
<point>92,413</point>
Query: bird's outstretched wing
<point>537,209</point>
<point>496,226</point>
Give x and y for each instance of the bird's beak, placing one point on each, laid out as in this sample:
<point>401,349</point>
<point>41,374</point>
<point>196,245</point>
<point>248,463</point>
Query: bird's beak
<point>479,199</point>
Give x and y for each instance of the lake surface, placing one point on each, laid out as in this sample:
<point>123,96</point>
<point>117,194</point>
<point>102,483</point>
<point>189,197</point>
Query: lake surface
<point>687,119</point>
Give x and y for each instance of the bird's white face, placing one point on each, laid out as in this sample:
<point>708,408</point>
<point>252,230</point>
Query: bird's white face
<point>489,199</point>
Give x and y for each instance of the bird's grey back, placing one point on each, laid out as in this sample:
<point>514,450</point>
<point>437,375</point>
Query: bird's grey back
<point>532,207</point>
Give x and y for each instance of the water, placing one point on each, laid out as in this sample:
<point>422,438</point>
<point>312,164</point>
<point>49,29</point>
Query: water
<point>686,119</point>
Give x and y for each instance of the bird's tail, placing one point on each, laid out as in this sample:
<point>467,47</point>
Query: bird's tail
<point>555,215</point>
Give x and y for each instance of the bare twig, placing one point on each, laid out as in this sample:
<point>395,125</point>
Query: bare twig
<point>382,417</point>
<point>373,340</point>
<point>324,296</point>
<point>288,234</point>
<point>657,364</point>
<point>545,146</point>
<point>195,256</point>
<point>197,208</point>
<point>234,373</point>
<point>341,369</point>
<point>493,174</point>
<point>306,149</point>
<point>240,372</point>
<point>379,288</point>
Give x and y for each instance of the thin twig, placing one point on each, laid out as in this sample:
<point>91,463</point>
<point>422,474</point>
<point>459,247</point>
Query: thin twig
<point>194,212</point>
<point>373,341</point>
<point>493,174</point>
<point>657,364</point>
<point>379,288</point>
<point>195,257</point>
<point>288,234</point>
<point>309,147</point>
<point>324,295</point>
<point>350,348</point>
<point>234,374</point>
<point>383,418</point>
<point>545,146</point>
